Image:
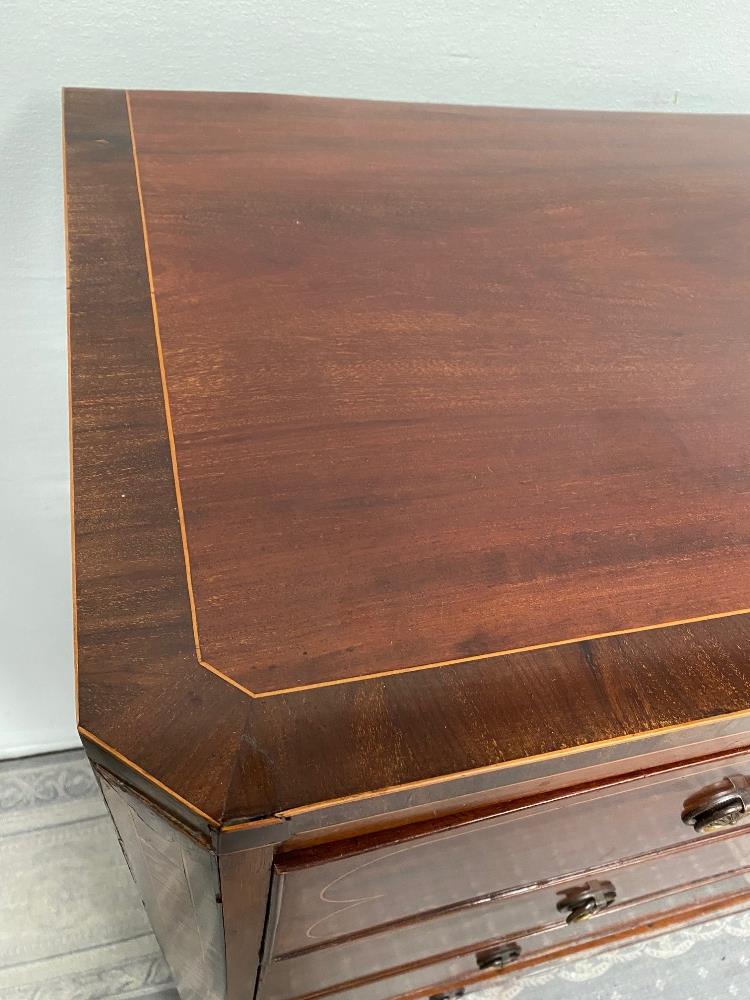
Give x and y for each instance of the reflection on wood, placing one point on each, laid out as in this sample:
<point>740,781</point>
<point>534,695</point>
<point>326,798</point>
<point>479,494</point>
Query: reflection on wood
<point>179,883</point>
<point>245,882</point>
<point>327,896</point>
<point>655,885</point>
<point>376,392</point>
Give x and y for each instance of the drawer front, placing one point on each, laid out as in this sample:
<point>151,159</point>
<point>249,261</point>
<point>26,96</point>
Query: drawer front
<point>461,971</point>
<point>325,896</point>
<point>443,948</point>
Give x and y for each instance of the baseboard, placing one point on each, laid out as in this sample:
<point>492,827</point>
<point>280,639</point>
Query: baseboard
<point>12,752</point>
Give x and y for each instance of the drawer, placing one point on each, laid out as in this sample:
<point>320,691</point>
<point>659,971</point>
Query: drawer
<point>534,919</point>
<point>327,894</point>
<point>460,972</point>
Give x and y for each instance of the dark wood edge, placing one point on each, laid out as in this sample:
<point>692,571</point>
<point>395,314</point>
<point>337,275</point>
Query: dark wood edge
<point>144,703</point>
<point>681,917</point>
<point>289,859</point>
<point>319,844</point>
<point>373,817</point>
<point>396,670</point>
<point>499,895</point>
<point>245,767</point>
<point>204,839</point>
<point>245,881</point>
<point>163,803</point>
<point>456,800</point>
<point>458,661</point>
<point>478,946</point>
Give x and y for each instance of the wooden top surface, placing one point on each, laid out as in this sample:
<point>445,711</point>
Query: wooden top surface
<point>388,401</point>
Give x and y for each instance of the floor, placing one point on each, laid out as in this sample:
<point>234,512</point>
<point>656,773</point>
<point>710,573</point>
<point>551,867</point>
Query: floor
<point>72,927</point>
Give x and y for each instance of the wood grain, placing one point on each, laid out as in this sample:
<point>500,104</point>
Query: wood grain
<point>178,880</point>
<point>358,388</point>
<point>732,899</point>
<point>245,880</point>
<point>448,381</point>
<point>425,867</point>
<point>137,673</point>
<point>454,970</point>
<point>341,754</point>
<point>525,917</point>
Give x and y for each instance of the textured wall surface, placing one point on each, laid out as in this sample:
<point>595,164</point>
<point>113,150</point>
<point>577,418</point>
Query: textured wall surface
<point>636,55</point>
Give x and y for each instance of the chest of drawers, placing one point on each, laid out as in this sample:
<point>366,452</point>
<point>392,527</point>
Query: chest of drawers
<point>410,464</point>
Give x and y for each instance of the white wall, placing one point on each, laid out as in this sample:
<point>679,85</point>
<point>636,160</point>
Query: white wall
<point>692,55</point>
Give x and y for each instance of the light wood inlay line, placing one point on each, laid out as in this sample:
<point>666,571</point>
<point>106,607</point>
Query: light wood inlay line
<point>488,656</point>
<point>149,777</point>
<point>186,548</point>
<point>288,814</point>
<point>165,388</point>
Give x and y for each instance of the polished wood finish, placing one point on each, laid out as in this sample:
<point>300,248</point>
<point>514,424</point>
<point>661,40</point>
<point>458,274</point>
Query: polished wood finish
<point>459,971</point>
<point>576,774</point>
<point>527,917</point>
<point>244,879</point>
<point>409,451</point>
<point>133,626</point>
<point>425,867</point>
<point>179,883</point>
<point>459,380</point>
<point>133,598</point>
<point>207,912</point>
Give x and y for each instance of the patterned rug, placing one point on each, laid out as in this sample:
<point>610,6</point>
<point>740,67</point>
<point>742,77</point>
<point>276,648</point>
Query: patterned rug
<point>72,927</point>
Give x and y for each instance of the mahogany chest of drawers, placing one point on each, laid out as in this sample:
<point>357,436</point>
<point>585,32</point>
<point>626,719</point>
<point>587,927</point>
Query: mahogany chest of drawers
<point>411,474</point>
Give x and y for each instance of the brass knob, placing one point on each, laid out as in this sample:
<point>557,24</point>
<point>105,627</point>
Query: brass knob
<point>498,958</point>
<point>584,901</point>
<point>719,805</point>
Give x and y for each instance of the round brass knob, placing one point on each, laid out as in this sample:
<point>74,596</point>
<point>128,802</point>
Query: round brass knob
<point>582,911</point>
<point>582,902</point>
<point>498,958</point>
<point>719,805</point>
